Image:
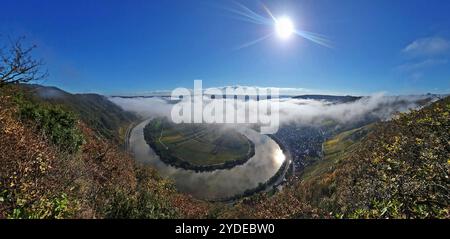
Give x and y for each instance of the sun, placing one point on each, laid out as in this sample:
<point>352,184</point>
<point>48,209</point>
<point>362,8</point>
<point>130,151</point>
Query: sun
<point>284,27</point>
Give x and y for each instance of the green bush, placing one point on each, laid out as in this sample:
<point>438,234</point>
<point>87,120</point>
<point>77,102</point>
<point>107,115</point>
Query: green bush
<point>58,207</point>
<point>59,125</point>
<point>143,204</point>
<point>147,201</point>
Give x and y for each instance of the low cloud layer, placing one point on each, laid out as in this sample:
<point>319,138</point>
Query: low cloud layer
<point>301,111</point>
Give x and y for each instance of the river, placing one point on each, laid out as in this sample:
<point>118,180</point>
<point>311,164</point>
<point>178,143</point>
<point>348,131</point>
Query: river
<point>218,184</point>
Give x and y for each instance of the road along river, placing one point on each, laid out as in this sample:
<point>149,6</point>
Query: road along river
<point>219,184</point>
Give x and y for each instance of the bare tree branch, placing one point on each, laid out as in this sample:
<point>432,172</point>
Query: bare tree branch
<point>17,64</point>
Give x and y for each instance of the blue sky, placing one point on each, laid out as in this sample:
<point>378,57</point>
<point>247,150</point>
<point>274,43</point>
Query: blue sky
<point>120,47</point>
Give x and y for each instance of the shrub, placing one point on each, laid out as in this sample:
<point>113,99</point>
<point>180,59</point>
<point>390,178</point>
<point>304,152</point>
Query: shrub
<point>143,204</point>
<point>58,207</point>
<point>149,200</point>
<point>59,125</point>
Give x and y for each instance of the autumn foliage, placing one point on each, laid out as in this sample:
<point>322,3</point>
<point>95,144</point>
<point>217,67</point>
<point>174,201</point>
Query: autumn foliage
<point>39,178</point>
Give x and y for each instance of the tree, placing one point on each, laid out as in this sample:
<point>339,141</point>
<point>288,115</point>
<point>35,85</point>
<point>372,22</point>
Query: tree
<point>17,64</point>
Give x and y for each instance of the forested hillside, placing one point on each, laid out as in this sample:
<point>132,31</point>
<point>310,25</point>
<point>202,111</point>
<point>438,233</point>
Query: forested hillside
<point>102,116</point>
<point>395,169</point>
<point>53,165</point>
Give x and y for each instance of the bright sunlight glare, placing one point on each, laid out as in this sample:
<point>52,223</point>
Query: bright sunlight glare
<point>284,27</point>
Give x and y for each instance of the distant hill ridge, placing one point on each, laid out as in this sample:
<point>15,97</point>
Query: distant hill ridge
<point>331,98</point>
<point>96,110</point>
